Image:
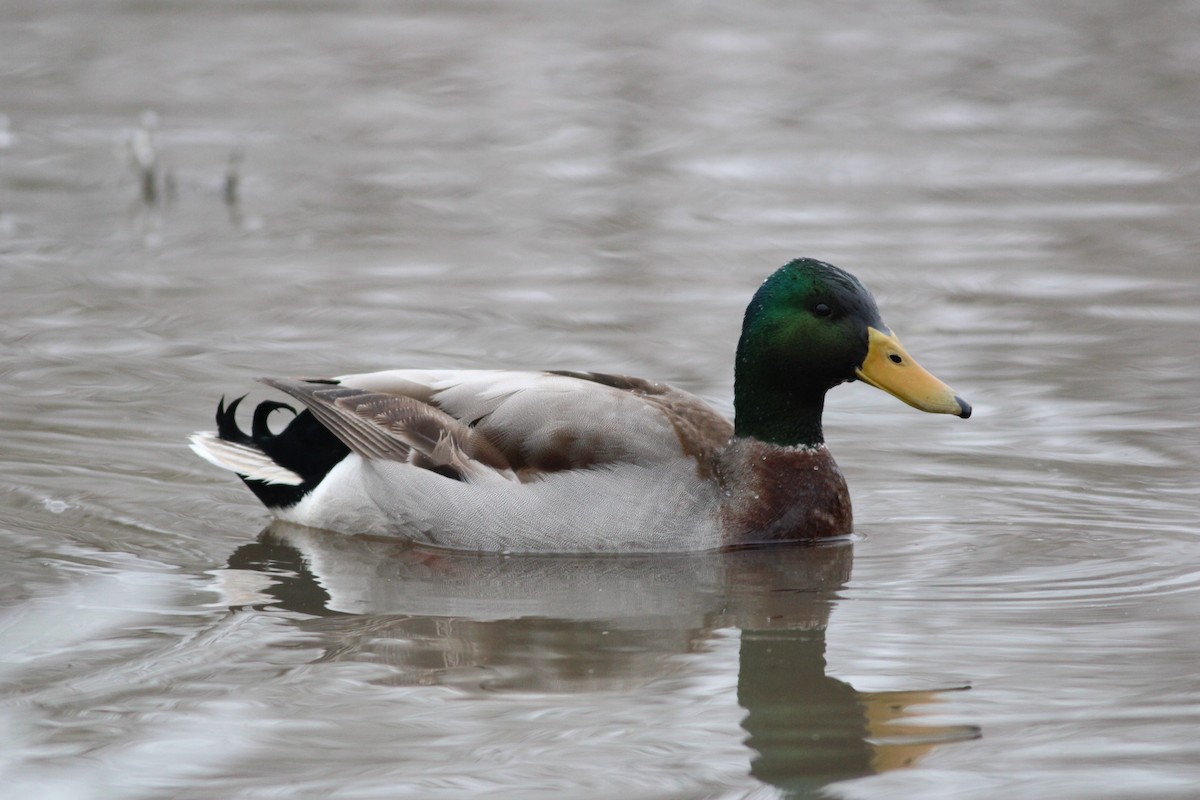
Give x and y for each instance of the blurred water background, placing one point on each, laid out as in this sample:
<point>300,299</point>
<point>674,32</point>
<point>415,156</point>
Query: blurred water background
<point>193,194</point>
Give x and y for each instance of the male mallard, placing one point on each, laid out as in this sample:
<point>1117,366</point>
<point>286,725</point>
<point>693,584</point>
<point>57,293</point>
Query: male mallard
<point>581,461</point>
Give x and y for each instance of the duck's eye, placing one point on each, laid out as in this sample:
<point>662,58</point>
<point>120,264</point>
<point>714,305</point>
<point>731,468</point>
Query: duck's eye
<point>822,310</point>
<point>895,358</point>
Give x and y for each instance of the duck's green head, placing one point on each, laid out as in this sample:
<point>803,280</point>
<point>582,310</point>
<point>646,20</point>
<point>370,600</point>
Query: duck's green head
<point>810,327</point>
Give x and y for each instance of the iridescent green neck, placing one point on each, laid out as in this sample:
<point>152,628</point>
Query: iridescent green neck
<point>765,412</point>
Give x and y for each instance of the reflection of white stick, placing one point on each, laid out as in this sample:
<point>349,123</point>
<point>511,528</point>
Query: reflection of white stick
<point>7,137</point>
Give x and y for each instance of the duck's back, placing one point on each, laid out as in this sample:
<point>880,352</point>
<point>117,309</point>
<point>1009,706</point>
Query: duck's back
<point>553,421</point>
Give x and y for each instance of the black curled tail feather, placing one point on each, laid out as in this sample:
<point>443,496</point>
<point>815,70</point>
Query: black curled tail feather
<point>305,447</point>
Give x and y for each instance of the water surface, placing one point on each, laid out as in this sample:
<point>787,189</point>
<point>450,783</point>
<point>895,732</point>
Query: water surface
<point>336,187</point>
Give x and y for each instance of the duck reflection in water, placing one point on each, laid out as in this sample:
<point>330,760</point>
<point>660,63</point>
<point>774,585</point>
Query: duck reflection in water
<point>580,624</point>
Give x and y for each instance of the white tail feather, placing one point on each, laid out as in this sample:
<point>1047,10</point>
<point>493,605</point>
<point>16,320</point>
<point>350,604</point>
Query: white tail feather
<point>245,461</point>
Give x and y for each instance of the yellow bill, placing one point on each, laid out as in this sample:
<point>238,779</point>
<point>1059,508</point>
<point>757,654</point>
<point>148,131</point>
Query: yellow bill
<point>889,367</point>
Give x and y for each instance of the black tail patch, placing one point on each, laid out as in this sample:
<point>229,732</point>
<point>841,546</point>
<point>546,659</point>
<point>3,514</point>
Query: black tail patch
<point>305,447</point>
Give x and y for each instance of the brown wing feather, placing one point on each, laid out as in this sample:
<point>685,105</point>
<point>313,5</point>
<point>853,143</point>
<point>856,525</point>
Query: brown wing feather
<point>358,434</point>
<point>383,426</point>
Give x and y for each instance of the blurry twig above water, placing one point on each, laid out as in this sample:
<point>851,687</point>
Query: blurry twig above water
<point>142,151</point>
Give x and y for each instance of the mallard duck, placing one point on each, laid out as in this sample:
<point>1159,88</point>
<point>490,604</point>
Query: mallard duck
<point>558,461</point>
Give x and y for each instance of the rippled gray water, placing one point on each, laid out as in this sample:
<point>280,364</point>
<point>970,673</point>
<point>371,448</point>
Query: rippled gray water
<point>341,187</point>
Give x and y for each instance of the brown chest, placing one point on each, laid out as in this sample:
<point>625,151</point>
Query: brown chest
<point>776,494</point>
